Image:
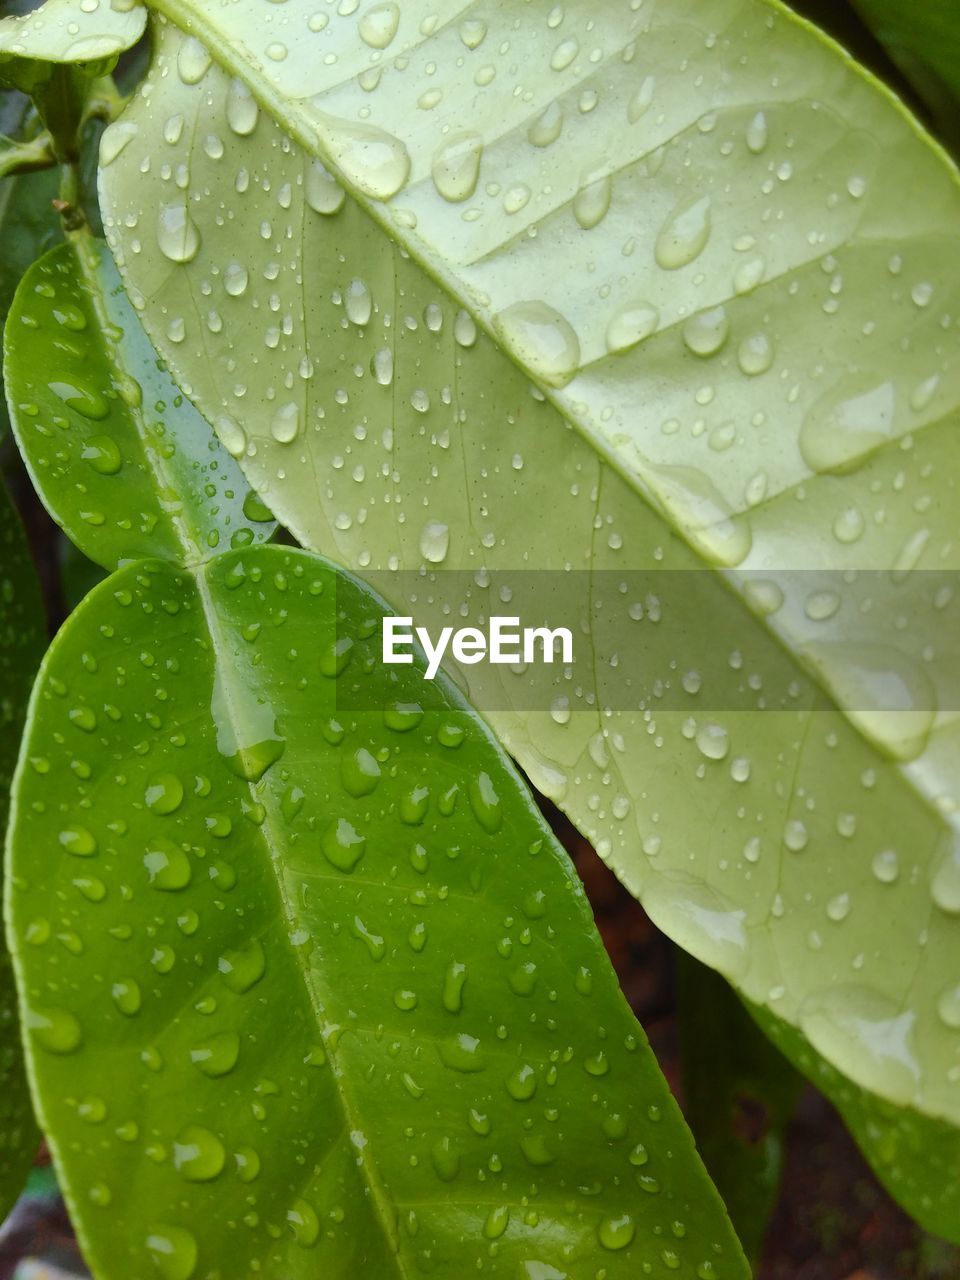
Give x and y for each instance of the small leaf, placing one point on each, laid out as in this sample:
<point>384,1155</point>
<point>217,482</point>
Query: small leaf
<point>739,1094</point>
<point>321,995</point>
<point>22,637</point>
<point>117,453</point>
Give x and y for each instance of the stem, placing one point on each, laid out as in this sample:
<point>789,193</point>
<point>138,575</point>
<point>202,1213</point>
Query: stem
<point>27,157</point>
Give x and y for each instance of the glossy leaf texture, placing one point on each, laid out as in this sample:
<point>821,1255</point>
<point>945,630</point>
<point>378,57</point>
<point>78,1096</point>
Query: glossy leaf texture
<point>924,39</point>
<point>22,638</point>
<point>917,1159</point>
<point>95,412</point>
<point>684,224</point>
<point>311,989</point>
<point>739,1094</point>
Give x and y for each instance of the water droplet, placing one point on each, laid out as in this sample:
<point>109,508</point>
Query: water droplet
<point>445,1159</point>
<point>684,235</point>
<point>193,60</point>
<point>522,1083</point>
<point>617,1232</point>
<point>167,865</point>
<point>630,325</point>
<point>496,1221</point>
<point>379,25</point>
<point>456,166</point>
<point>164,793</point>
<point>758,133</point>
<point>56,1030</point>
<point>243,968</point>
<point>115,137</point>
<point>102,455</point>
<point>592,202</point>
<point>840,428</point>
<point>242,109</point>
<point>434,541</point>
<point>304,1223</point>
<point>713,741</point>
<point>542,339</point>
<point>867,1036</point>
<point>706,332</point>
<point>357,303</point>
<point>177,233</point>
<point>322,191</point>
<point>173,1251</point>
<point>343,846</point>
<point>78,841</point>
<point>216,1056</point>
<point>285,423</point>
<point>485,802</point>
<point>198,1154</point>
<point>945,883</point>
<point>235,279</point>
<point>755,355</point>
<point>454,981</point>
<point>127,997</point>
<point>374,161</point>
<point>546,129</point>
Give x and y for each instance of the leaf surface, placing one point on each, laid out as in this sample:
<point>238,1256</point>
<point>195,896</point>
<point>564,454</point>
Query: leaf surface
<point>22,636</point>
<point>744,353</point>
<point>62,31</point>
<point>310,988</point>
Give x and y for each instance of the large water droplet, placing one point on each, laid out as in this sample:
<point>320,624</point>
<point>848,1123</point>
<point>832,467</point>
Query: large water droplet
<point>379,25</point>
<point>173,1251</point>
<point>198,1154</point>
<point>456,166</point>
<point>542,339</point>
<point>374,161</point>
<point>177,233</point>
<point>242,109</point>
<point>434,541</point>
<point>684,235</point>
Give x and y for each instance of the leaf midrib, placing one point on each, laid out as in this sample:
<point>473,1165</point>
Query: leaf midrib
<point>352,1116</point>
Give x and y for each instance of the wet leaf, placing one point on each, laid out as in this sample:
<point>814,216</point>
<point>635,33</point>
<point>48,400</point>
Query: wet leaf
<point>94,413</point>
<point>309,986</point>
<point>742,345</point>
<point>67,33</point>
<point>21,643</point>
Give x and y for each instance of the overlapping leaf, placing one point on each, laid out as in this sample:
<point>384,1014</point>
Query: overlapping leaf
<point>21,643</point>
<point>686,223</point>
<point>309,986</point>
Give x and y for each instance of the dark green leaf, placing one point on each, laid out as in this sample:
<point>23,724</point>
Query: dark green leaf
<point>21,644</point>
<point>311,988</point>
<point>94,413</point>
<point>740,1092</point>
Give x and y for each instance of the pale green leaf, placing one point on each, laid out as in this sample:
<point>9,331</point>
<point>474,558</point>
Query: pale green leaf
<point>686,222</point>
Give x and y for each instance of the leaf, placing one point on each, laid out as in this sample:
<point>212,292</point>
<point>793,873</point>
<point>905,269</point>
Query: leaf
<point>924,41</point>
<point>288,926</point>
<point>62,31</point>
<point>916,1159</point>
<point>740,1093</point>
<point>93,409</point>
<point>744,352</point>
<point>21,642</point>
<point>55,52</point>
